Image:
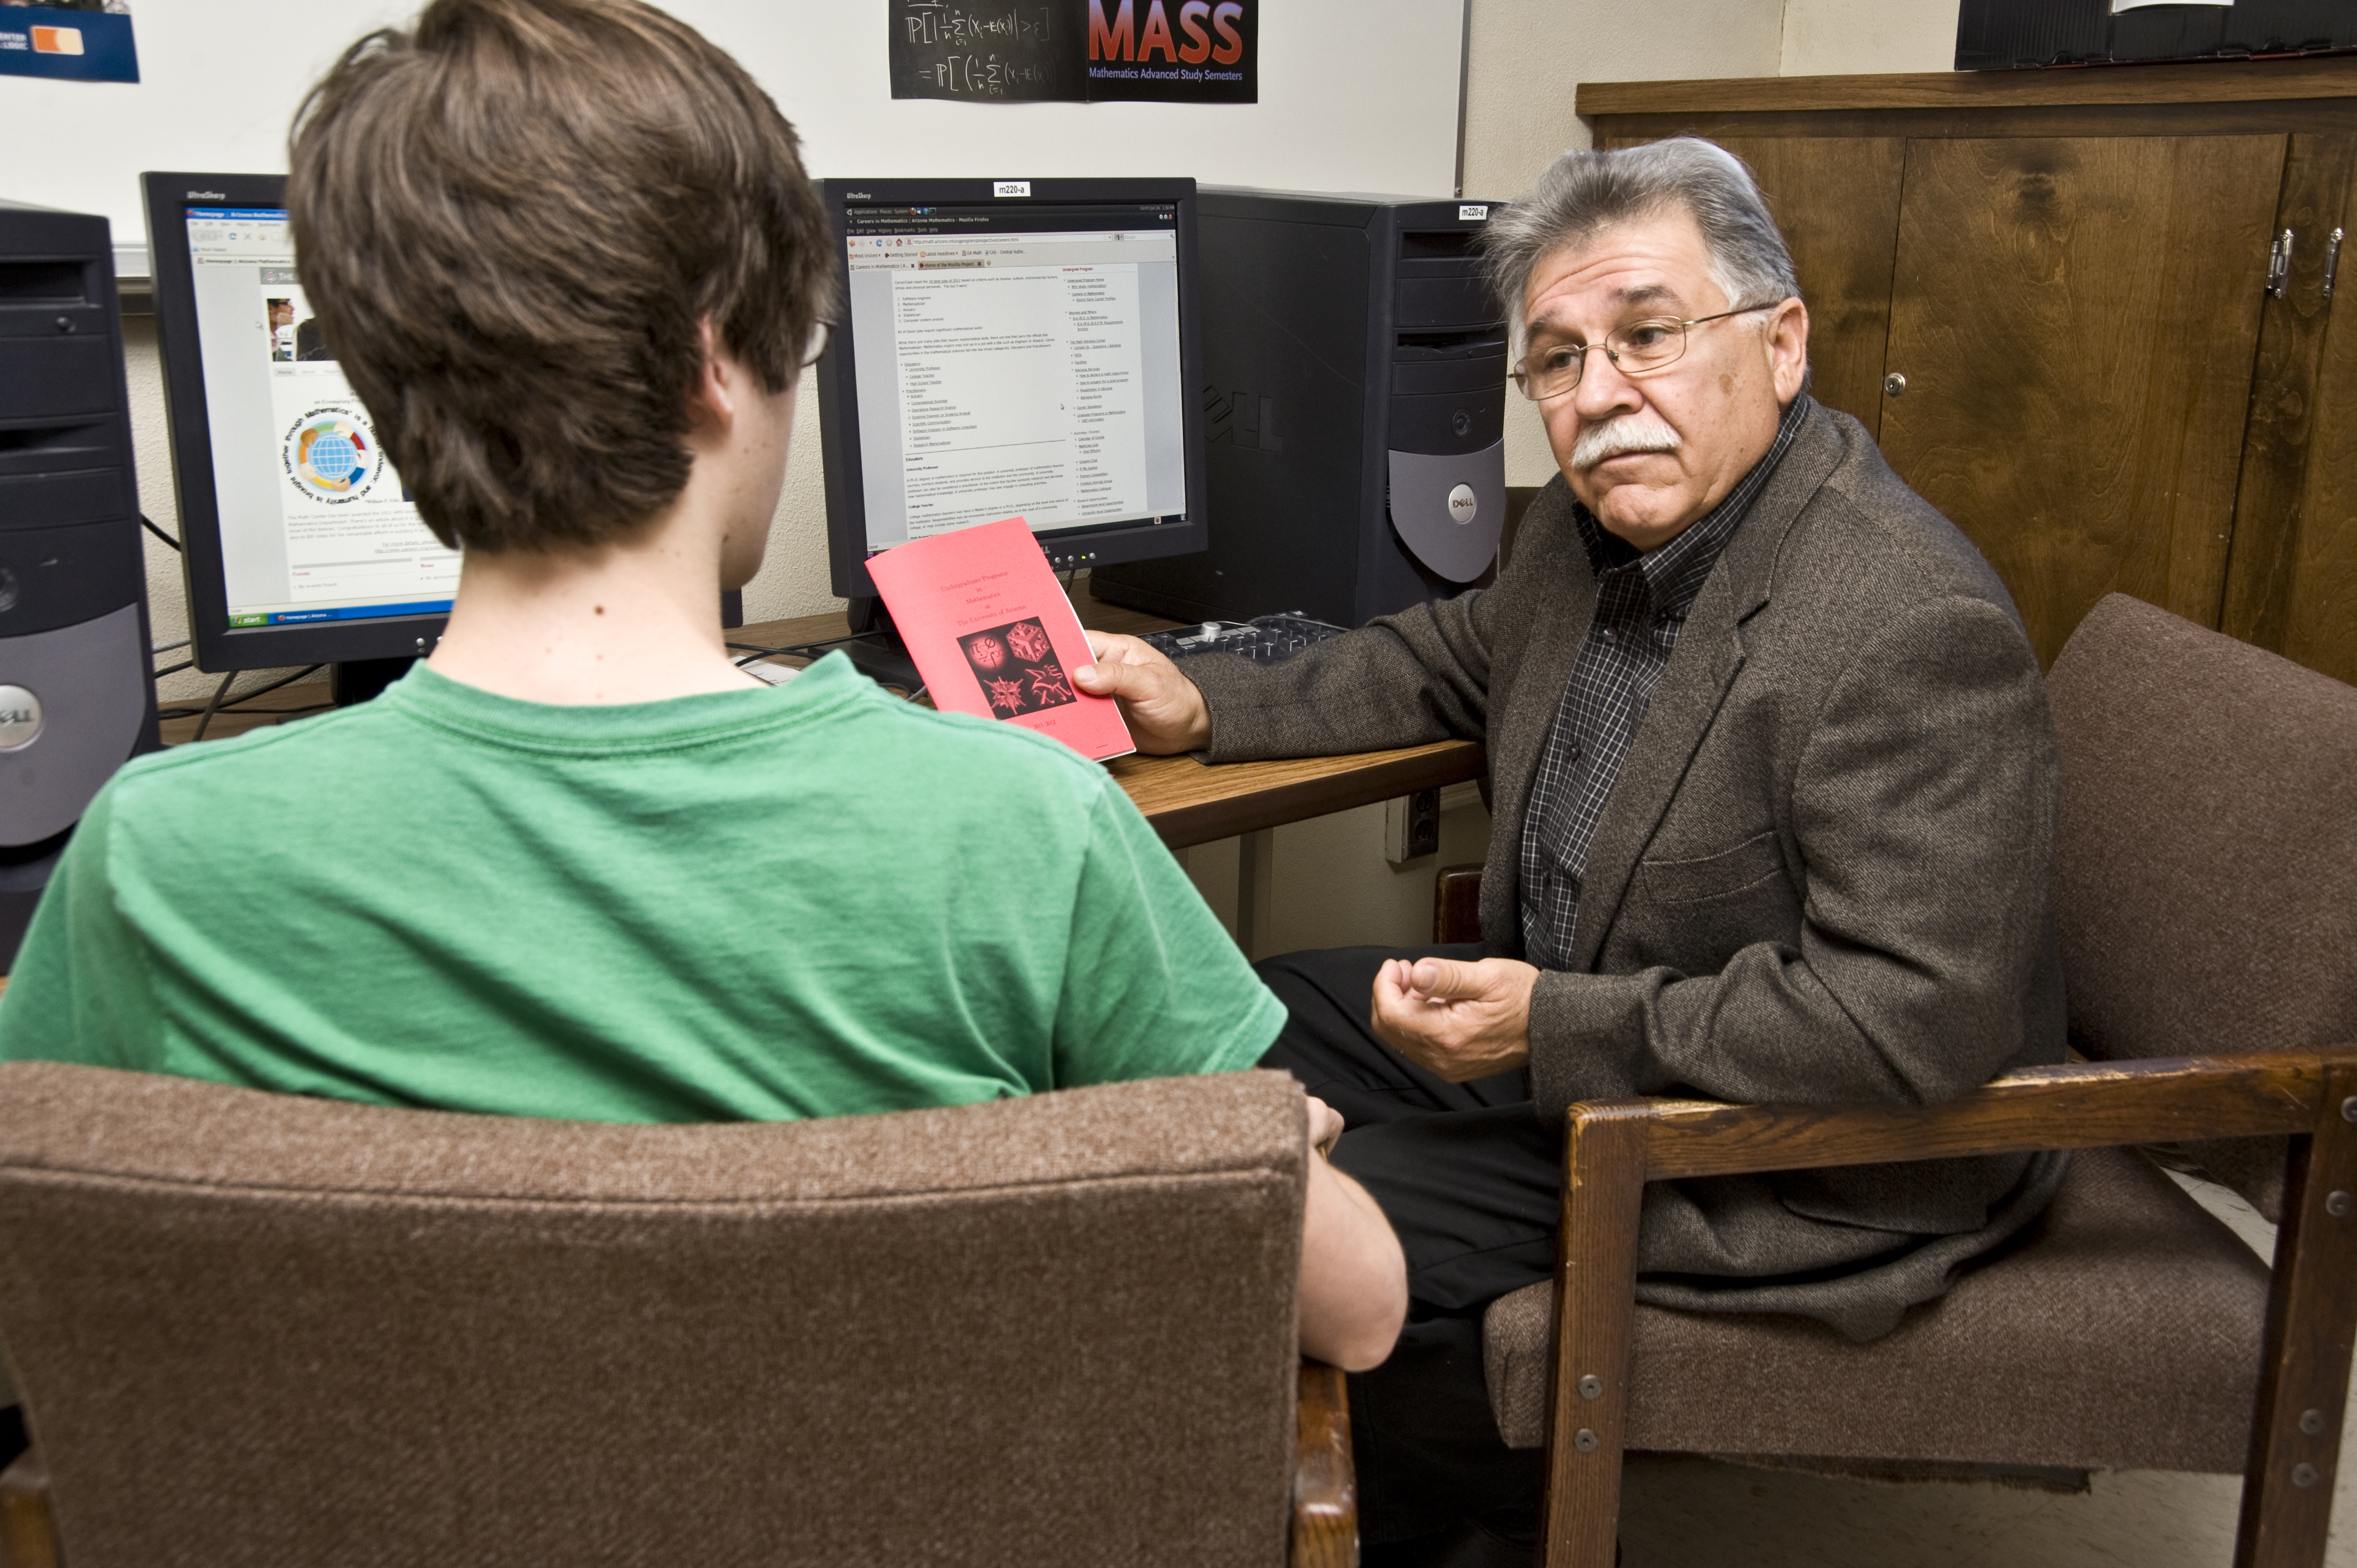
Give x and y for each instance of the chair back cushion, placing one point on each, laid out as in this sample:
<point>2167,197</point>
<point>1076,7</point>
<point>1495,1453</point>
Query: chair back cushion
<point>260,1329</point>
<point>2206,874</point>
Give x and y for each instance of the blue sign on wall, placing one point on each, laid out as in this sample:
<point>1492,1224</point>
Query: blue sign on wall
<point>66,42</point>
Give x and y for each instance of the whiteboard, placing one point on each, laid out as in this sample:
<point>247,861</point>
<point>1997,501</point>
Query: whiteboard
<point>1357,95</point>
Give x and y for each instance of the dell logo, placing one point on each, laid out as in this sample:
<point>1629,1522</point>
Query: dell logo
<point>1462,505</point>
<point>20,718</point>
<point>1242,419</point>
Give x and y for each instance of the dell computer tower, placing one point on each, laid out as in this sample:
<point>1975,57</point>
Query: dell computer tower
<point>76,700</point>
<point>1354,389</point>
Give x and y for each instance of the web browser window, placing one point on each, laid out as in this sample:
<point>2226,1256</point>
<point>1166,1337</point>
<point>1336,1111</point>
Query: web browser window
<point>1016,363</point>
<point>315,523</point>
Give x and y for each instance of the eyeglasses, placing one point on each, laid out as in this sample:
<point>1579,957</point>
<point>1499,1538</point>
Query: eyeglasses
<point>1636,349</point>
<point>817,344</point>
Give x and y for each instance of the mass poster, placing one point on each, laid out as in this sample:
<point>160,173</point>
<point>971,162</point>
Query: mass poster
<point>76,40</point>
<point>1077,51</point>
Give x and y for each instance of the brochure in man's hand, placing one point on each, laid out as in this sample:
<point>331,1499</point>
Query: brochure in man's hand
<point>994,636</point>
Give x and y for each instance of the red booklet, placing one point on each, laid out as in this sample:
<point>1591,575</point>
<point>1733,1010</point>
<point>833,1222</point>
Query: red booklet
<point>994,636</point>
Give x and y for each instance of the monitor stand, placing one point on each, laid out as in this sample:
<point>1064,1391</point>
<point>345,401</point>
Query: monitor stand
<point>355,681</point>
<point>875,650</point>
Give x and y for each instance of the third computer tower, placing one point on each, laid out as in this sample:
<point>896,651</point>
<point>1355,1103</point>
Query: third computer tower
<point>1355,369</point>
<point>76,700</point>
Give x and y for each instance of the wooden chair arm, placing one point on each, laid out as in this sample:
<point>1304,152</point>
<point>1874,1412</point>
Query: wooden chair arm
<point>1325,1488</point>
<point>1457,904</point>
<point>28,1534</point>
<point>2076,1105</point>
<point>1614,1147</point>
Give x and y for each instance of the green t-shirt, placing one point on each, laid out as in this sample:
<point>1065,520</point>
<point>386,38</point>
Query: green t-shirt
<point>814,900</point>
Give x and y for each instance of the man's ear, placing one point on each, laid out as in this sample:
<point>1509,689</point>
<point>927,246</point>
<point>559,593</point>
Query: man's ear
<point>1788,348</point>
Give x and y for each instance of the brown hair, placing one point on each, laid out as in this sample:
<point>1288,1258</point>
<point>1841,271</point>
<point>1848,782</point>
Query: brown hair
<point>512,222</point>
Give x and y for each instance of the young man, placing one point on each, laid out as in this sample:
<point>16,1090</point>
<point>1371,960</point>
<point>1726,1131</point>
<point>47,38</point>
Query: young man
<point>579,864</point>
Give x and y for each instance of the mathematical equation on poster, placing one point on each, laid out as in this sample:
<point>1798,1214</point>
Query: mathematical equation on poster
<point>1010,54</point>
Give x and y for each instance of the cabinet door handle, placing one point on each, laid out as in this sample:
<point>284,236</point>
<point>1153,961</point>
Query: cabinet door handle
<point>1894,385</point>
<point>2331,261</point>
<point>2279,265</point>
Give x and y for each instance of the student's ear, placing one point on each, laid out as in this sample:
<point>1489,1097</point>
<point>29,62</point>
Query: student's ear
<point>713,403</point>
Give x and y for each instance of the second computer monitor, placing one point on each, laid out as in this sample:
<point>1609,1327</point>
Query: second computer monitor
<point>302,546</point>
<point>1012,349</point>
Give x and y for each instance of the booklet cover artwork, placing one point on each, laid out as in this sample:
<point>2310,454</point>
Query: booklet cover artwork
<point>1018,668</point>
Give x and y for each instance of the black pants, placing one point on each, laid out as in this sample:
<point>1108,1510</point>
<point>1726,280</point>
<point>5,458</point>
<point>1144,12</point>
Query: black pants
<point>1471,1180</point>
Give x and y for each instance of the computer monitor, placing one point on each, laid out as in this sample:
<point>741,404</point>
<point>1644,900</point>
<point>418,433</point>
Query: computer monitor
<point>299,542</point>
<point>1012,348</point>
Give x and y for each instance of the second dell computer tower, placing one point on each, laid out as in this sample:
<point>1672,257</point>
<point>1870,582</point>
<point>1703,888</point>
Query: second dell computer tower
<point>1354,387</point>
<point>76,700</point>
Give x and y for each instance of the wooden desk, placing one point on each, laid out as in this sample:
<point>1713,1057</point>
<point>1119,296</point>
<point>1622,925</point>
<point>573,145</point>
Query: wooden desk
<point>1189,803</point>
<point>1186,802</point>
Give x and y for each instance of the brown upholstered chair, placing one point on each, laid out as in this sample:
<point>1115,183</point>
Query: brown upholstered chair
<point>2207,897</point>
<point>257,1329</point>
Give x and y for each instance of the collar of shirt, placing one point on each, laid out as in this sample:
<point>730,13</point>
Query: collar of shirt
<point>1673,573</point>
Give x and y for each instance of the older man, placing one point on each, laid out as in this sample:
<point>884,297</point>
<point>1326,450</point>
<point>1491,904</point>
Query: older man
<point>1773,783</point>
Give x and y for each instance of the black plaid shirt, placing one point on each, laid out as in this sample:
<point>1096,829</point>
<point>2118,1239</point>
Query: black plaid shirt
<point>1641,606</point>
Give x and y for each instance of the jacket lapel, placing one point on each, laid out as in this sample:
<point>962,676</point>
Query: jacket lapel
<point>1567,601</point>
<point>1705,664</point>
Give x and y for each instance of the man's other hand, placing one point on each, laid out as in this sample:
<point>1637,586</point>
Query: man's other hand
<point>1165,712</point>
<point>1459,1020</point>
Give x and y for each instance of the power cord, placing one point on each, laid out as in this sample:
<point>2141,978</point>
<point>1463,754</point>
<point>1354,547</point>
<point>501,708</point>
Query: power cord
<point>162,648</point>
<point>214,706</point>
<point>147,524</point>
<point>223,702</point>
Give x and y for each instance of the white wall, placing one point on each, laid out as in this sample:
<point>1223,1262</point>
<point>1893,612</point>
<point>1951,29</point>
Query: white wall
<point>1845,37</point>
<point>220,79</point>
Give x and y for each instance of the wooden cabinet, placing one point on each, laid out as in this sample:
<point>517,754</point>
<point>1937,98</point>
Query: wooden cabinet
<point>2048,294</point>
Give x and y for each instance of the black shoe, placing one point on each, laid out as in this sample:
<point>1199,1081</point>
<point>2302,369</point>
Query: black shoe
<point>1472,1543</point>
<point>1506,1538</point>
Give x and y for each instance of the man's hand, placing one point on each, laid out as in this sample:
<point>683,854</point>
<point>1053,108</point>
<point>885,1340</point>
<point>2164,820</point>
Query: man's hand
<point>1457,1021</point>
<point>1166,713</point>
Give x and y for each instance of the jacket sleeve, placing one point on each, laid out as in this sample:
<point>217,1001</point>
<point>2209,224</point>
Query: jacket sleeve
<point>1923,806</point>
<point>1402,680</point>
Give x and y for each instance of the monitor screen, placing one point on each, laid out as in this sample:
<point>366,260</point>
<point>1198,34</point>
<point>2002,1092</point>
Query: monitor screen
<point>294,520</point>
<point>1013,356</point>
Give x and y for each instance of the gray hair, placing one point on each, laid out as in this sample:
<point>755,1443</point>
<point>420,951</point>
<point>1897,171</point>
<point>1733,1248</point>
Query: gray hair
<point>1585,192</point>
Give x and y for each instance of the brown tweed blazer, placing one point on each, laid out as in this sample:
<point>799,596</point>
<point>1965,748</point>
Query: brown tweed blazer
<point>1824,874</point>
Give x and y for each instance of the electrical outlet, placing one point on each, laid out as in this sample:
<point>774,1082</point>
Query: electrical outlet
<point>1411,827</point>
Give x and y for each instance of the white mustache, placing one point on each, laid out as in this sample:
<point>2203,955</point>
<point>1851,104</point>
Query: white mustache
<point>1625,432</point>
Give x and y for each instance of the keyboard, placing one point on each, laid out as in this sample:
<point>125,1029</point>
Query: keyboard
<point>1263,639</point>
